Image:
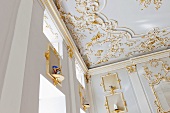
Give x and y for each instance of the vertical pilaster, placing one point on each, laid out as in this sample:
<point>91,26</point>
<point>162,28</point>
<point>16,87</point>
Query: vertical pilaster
<point>72,88</point>
<point>89,93</point>
<point>138,89</point>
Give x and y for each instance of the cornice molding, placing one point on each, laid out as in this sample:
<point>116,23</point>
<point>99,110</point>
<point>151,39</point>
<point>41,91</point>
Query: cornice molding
<point>156,55</point>
<point>50,6</point>
<point>132,61</point>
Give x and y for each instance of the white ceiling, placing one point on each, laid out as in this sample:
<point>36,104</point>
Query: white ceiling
<point>107,31</point>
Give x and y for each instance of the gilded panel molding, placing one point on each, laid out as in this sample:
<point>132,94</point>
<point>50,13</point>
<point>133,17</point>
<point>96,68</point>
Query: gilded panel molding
<point>114,95</point>
<point>106,78</point>
<point>53,66</point>
<point>108,106</point>
<point>155,78</point>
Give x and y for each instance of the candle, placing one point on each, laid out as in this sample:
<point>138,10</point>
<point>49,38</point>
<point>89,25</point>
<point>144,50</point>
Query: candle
<point>115,107</point>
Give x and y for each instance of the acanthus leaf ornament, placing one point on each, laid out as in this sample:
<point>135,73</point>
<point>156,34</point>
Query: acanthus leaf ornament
<point>131,68</point>
<point>70,52</point>
<point>87,78</point>
<point>47,55</point>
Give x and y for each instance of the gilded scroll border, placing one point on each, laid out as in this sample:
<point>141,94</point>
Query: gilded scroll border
<point>157,81</point>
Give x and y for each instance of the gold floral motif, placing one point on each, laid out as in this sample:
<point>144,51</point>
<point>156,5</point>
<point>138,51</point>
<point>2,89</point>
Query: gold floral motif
<point>87,78</point>
<point>99,52</point>
<point>146,3</point>
<point>89,44</point>
<point>47,55</point>
<point>131,69</point>
<point>70,52</point>
<point>155,78</point>
<point>98,36</point>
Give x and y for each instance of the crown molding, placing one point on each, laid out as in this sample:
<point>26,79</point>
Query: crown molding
<point>147,57</point>
<point>51,8</point>
<point>131,61</point>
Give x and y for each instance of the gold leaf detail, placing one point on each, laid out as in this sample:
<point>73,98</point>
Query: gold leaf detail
<point>47,55</point>
<point>99,52</point>
<point>70,52</point>
<point>98,36</point>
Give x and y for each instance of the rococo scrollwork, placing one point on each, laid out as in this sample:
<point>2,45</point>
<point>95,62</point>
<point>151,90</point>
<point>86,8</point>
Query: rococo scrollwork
<point>160,74</point>
<point>98,38</point>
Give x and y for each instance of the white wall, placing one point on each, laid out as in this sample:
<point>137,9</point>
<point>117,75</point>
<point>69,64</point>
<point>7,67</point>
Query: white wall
<point>98,93</point>
<point>8,12</point>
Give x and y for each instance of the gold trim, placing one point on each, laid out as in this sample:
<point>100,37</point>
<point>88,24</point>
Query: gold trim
<point>132,61</point>
<point>70,52</point>
<point>57,78</point>
<point>112,90</point>
<point>82,98</point>
<point>87,78</point>
<point>131,68</point>
<point>124,103</point>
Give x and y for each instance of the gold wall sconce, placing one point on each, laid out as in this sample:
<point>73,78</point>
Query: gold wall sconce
<point>146,3</point>
<point>86,106</point>
<point>112,89</point>
<point>115,102</point>
<point>116,110</point>
<point>53,66</point>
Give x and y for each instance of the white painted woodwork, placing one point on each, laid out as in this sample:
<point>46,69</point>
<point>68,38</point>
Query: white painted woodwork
<point>139,93</point>
<point>13,81</point>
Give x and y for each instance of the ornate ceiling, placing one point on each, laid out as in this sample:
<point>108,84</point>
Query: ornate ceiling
<point>107,31</point>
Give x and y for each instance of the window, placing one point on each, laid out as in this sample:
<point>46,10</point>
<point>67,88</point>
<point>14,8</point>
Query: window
<point>79,74</point>
<point>51,32</point>
<point>51,100</point>
<point>82,111</point>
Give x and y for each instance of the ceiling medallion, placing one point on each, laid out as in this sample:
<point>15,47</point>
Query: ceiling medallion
<point>146,3</point>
